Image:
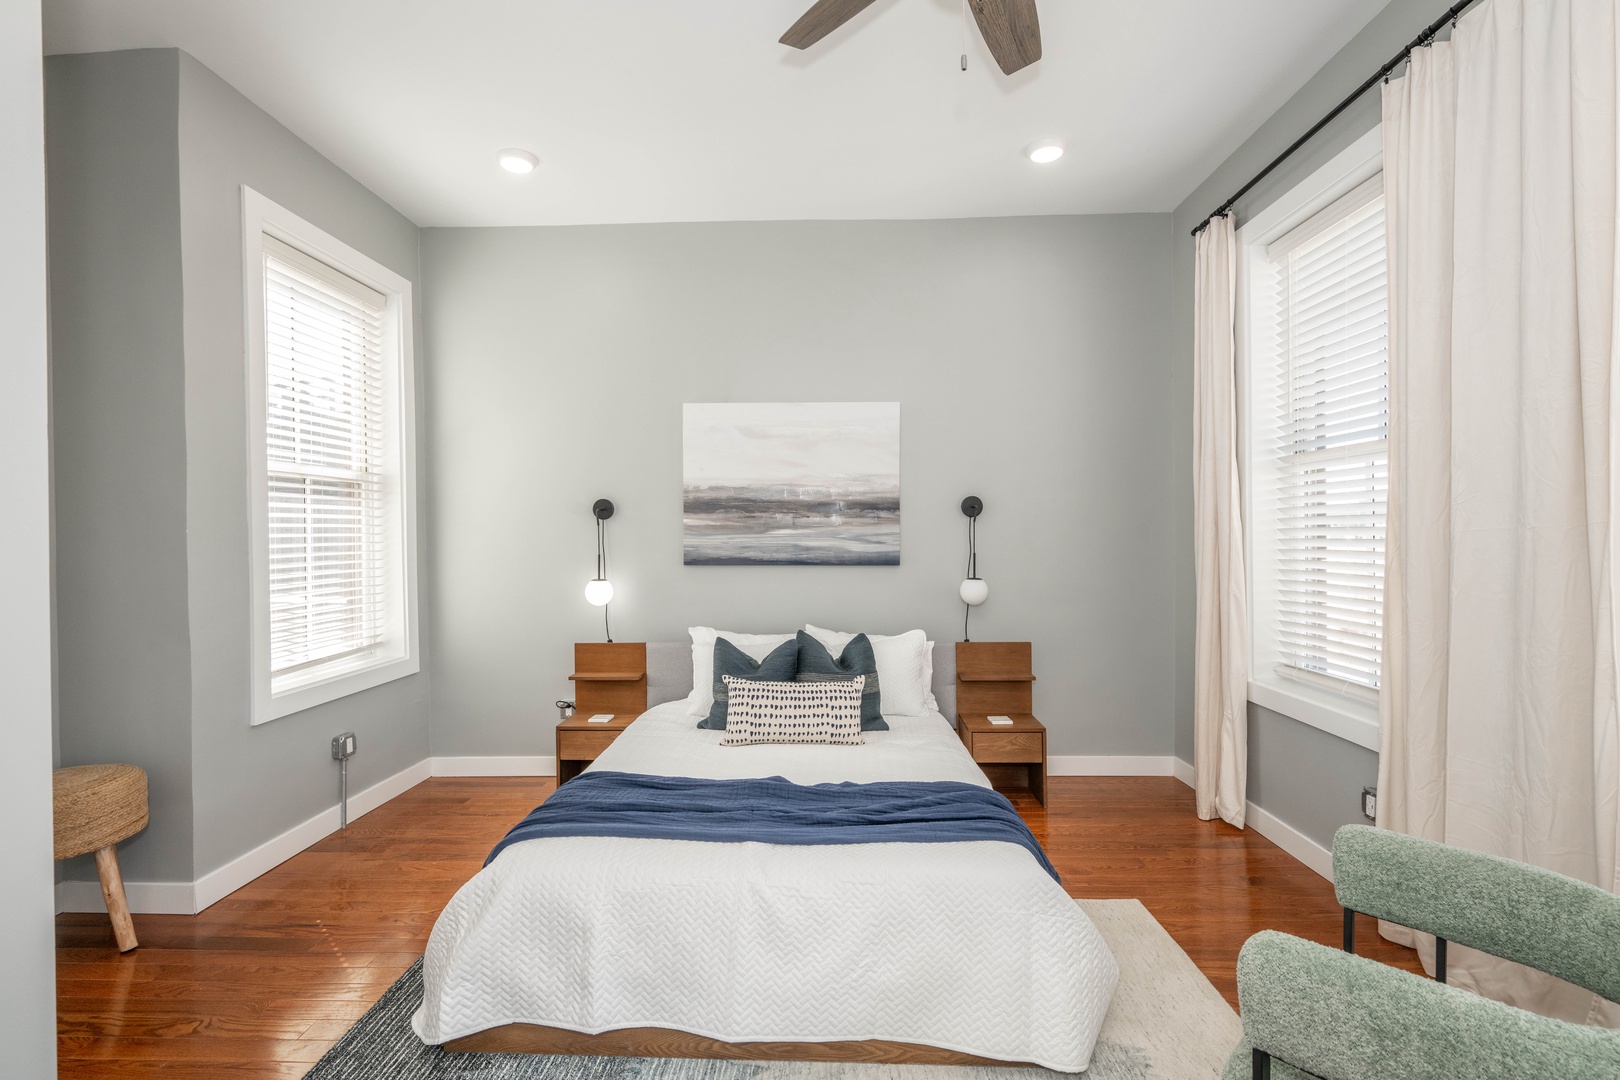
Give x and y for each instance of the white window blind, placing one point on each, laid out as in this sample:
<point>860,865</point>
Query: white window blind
<point>324,437</point>
<point>1332,441</point>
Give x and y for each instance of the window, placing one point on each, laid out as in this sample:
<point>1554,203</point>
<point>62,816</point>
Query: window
<point>1316,468</point>
<point>1332,441</point>
<point>329,378</point>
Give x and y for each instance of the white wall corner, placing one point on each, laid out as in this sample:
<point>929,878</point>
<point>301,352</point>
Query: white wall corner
<point>1107,765</point>
<point>494,766</point>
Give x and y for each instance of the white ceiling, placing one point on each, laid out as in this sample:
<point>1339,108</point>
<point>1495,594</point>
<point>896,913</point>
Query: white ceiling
<point>656,110</point>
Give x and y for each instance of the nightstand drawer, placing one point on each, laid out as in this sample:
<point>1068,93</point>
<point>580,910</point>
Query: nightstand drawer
<point>583,745</point>
<point>1013,746</point>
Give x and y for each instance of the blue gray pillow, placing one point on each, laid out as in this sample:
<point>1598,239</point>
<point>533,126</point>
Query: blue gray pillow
<point>778,666</point>
<point>817,664</point>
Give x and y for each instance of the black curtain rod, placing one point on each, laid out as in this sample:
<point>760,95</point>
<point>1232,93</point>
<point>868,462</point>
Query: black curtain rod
<point>1382,74</point>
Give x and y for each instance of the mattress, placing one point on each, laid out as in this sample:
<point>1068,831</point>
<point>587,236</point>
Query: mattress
<point>969,946</point>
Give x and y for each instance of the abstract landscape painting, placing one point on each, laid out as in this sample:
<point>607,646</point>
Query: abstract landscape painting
<point>812,484</point>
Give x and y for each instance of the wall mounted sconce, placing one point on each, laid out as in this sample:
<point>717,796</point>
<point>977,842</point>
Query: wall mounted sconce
<point>599,590</point>
<point>973,589</point>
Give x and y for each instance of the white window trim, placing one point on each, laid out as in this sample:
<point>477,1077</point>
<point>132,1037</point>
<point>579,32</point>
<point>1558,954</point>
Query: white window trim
<point>401,654</point>
<point>1345,714</point>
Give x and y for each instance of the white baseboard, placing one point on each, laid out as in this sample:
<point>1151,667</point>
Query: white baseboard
<point>145,897</point>
<point>188,898</point>
<point>1107,765</point>
<point>384,791</point>
<point>218,884</point>
<point>1279,832</point>
<point>494,766</point>
<point>1291,840</point>
<point>1182,770</point>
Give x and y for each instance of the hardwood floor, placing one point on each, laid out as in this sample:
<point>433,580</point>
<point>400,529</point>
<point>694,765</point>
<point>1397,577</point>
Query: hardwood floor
<point>263,982</point>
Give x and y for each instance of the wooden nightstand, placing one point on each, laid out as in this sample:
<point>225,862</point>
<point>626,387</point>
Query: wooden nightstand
<point>580,742</point>
<point>997,678</point>
<point>1022,743</point>
<point>609,677</point>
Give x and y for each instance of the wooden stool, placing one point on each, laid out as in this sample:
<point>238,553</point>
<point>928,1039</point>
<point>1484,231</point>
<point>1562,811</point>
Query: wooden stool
<point>97,806</point>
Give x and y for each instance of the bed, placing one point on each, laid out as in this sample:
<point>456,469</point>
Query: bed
<point>957,953</point>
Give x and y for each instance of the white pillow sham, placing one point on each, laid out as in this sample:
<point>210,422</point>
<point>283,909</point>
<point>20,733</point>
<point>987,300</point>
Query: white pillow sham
<point>930,702</point>
<point>905,667</point>
<point>758,646</point>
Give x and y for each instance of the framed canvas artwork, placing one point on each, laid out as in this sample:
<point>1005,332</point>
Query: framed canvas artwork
<point>800,483</point>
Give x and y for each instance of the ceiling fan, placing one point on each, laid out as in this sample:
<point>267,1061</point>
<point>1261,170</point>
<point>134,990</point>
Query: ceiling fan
<point>1010,27</point>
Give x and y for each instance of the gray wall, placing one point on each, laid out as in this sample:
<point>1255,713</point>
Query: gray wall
<point>1031,360</point>
<point>148,153</point>
<point>27,993</point>
<point>118,400</point>
<point>252,783</point>
<point>1306,777</point>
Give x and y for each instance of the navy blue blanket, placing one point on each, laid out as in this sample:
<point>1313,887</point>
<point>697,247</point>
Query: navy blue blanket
<point>774,811</point>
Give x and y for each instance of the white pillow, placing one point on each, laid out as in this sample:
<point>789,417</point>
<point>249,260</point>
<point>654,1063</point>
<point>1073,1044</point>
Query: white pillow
<point>930,702</point>
<point>905,667</point>
<point>757,646</point>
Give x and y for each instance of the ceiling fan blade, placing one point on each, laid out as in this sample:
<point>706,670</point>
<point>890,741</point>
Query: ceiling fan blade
<point>1011,29</point>
<point>823,18</point>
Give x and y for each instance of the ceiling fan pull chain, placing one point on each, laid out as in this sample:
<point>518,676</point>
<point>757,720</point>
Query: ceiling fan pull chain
<point>964,34</point>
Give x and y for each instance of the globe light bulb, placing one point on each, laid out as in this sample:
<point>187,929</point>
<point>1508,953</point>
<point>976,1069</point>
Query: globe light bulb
<point>974,591</point>
<point>598,591</point>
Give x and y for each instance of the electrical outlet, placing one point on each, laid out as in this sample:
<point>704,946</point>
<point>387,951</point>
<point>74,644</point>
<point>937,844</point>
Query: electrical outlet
<point>1369,803</point>
<point>344,746</point>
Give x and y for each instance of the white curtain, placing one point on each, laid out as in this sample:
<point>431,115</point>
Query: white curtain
<point>1499,701</point>
<point>1221,665</point>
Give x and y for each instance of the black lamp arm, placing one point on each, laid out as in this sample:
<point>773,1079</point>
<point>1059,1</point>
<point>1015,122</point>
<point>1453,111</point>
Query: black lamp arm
<point>602,509</point>
<point>972,507</point>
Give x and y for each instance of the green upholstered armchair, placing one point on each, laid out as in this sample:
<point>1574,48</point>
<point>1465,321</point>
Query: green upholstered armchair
<point>1309,1010</point>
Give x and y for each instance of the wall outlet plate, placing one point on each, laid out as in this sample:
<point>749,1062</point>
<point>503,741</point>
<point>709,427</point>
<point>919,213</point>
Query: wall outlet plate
<point>1369,803</point>
<point>344,746</point>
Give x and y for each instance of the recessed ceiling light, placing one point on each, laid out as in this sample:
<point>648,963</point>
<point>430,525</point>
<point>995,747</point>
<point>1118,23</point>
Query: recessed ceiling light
<point>1044,152</point>
<point>514,160</point>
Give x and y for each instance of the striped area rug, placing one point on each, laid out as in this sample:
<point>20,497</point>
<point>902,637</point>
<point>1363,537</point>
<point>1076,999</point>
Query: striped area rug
<point>1166,1023</point>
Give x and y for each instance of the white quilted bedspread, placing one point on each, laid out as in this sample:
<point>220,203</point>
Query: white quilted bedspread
<point>967,946</point>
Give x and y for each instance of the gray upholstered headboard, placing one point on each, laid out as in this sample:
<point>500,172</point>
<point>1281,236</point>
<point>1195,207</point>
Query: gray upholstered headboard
<point>669,673</point>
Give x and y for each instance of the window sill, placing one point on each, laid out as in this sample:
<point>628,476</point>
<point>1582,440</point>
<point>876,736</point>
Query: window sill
<point>318,686</point>
<point>1345,717</point>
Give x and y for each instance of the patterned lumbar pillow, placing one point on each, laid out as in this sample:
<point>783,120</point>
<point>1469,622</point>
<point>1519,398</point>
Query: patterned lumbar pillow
<point>817,664</point>
<point>779,665</point>
<point>793,712</point>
